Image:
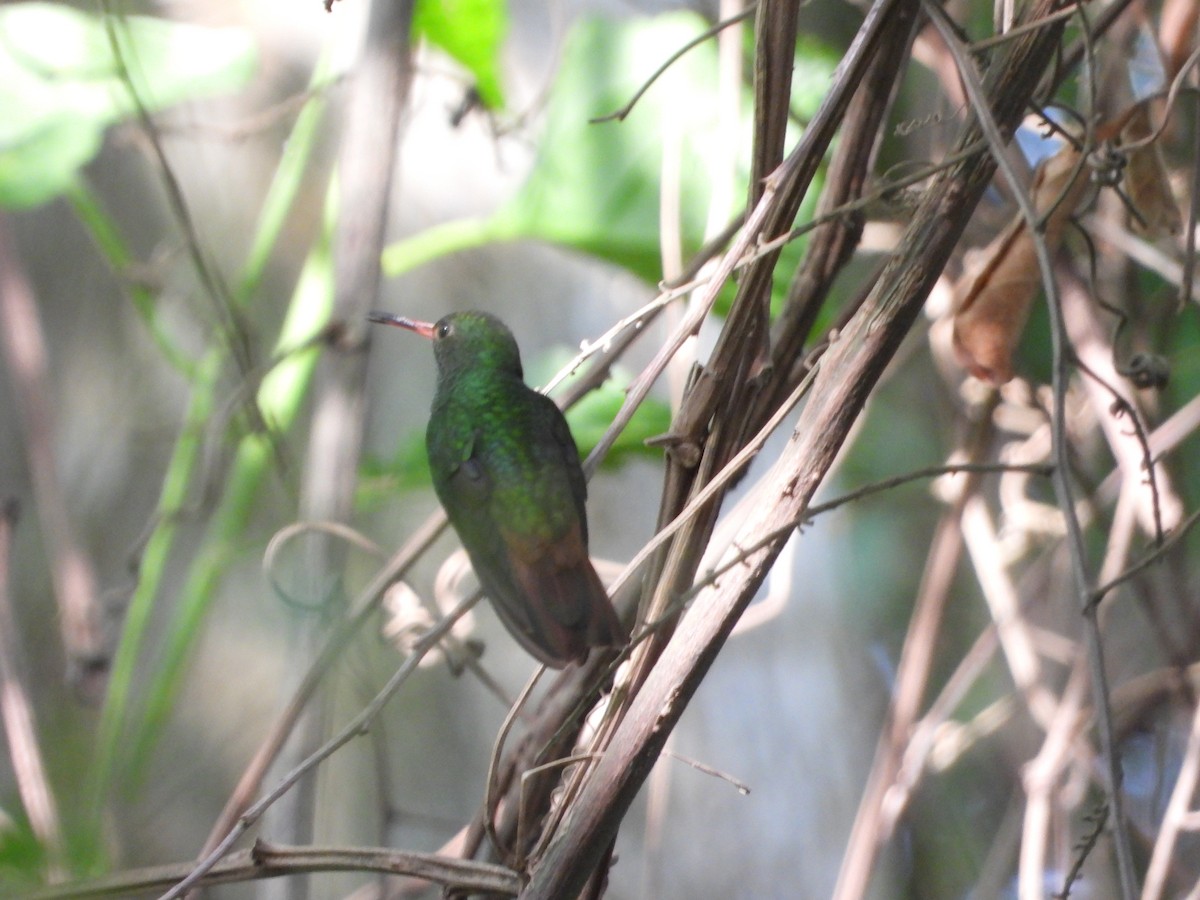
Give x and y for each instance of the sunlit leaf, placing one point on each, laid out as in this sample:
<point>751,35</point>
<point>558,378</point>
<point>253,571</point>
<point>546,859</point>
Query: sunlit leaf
<point>61,85</point>
<point>597,187</point>
<point>472,32</point>
<point>22,857</point>
<point>41,162</point>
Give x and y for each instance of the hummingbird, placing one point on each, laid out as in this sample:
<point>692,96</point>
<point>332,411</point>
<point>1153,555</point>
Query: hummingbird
<point>507,471</point>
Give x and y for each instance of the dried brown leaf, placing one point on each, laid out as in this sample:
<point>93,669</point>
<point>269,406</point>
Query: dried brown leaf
<point>1146,179</point>
<point>993,299</point>
<point>992,305</point>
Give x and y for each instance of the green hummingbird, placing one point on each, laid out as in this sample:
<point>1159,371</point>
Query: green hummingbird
<point>507,471</point>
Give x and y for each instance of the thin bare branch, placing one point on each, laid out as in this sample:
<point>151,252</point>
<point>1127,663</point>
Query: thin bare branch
<point>1063,487</point>
<point>80,617</point>
<point>357,726</point>
<point>16,711</point>
<point>620,114</point>
<point>276,861</point>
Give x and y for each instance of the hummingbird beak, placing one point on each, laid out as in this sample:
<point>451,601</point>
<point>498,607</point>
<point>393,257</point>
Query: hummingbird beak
<point>424,329</point>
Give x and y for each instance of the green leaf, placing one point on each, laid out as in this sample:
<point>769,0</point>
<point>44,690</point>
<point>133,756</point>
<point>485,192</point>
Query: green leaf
<point>41,163</point>
<point>23,857</point>
<point>281,396</point>
<point>592,416</point>
<point>594,413</point>
<point>61,85</point>
<point>472,32</point>
<point>596,187</point>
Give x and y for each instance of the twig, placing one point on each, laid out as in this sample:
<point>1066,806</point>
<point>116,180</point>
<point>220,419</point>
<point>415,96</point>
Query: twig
<point>232,328</point>
<point>881,192</point>
<point>1172,96</point>
<point>923,738</point>
<point>743,553</point>
<point>251,781</point>
<point>736,783</point>
<point>716,417</point>
<point>284,536</point>
<point>849,371</point>
<point>730,471</point>
<point>275,860</point>
<point>688,326</point>
<point>489,803</point>
<point>1174,538</point>
<point>1123,408</point>
<point>1178,809</point>
<point>256,123</point>
<point>1062,482</point>
<point>1085,848</point>
<point>359,725</point>
<point>366,163</point>
<point>716,29</point>
<point>1186,292</point>
<point>1016,638</point>
<point>553,732</point>
<point>997,39</point>
<point>1041,776</point>
<point>631,324</point>
<point>16,711</point>
<point>870,826</point>
<point>70,569</point>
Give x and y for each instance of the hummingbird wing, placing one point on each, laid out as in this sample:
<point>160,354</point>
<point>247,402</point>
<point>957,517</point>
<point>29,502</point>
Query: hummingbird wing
<point>465,481</point>
<point>546,593</point>
<point>569,452</point>
<point>568,610</point>
<point>571,608</point>
<point>518,506</point>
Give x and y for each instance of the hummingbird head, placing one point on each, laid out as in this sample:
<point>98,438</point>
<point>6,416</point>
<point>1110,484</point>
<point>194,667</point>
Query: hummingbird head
<point>464,340</point>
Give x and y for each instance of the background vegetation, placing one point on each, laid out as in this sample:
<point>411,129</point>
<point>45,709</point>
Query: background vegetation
<point>902,630</point>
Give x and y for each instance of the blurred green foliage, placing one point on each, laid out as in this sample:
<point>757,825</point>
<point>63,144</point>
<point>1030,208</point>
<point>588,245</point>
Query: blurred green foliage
<point>596,189</point>
<point>61,85</point>
<point>596,186</point>
<point>472,32</point>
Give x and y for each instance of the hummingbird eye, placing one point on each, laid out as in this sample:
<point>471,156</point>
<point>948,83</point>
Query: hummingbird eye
<point>444,329</point>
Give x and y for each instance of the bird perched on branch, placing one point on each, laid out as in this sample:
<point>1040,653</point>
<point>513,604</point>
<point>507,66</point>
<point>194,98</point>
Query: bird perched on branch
<point>507,471</point>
